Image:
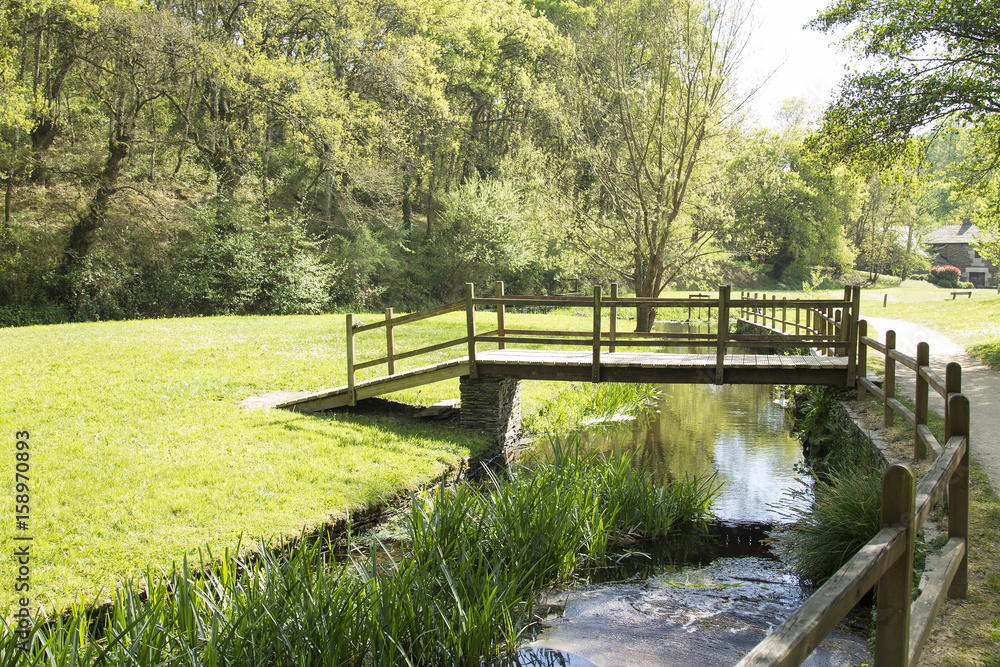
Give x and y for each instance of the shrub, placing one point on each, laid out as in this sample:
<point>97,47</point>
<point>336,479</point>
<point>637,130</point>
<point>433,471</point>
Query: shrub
<point>844,515</point>
<point>947,272</point>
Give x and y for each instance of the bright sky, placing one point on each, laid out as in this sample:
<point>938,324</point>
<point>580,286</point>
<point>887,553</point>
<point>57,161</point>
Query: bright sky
<point>806,63</point>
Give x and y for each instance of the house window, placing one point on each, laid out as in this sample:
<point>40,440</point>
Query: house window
<point>975,255</point>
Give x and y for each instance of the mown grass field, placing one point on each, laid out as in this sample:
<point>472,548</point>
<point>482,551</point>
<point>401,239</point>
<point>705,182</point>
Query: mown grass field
<point>141,452</point>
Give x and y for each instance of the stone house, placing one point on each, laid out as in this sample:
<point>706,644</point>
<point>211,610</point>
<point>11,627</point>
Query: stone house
<point>953,245</point>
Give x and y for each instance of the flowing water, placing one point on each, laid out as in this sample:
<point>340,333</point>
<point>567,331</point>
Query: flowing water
<point>681,600</point>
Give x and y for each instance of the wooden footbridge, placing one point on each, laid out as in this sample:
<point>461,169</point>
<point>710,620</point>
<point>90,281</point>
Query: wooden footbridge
<point>828,346</point>
<point>819,337</point>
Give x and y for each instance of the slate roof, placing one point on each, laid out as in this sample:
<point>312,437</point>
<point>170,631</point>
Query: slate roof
<point>963,233</point>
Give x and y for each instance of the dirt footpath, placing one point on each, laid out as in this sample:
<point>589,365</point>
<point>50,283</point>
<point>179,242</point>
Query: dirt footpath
<point>980,383</point>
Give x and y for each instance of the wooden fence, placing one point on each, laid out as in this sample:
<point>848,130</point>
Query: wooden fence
<point>827,325</point>
<point>902,624</point>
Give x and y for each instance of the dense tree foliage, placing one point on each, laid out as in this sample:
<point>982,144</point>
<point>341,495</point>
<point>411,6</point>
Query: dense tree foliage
<point>172,157</point>
<point>928,63</point>
<point>933,59</point>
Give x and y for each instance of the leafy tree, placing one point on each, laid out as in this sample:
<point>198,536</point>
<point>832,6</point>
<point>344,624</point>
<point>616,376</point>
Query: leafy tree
<point>800,206</point>
<point>656,80</point>
<point>129,59</point>
<point>932,60</point>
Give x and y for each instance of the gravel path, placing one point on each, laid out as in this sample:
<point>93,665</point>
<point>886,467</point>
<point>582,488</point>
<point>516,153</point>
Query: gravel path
<point>980,383</point>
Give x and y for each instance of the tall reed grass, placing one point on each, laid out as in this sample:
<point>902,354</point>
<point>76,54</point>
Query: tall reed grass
<point>460,595</point>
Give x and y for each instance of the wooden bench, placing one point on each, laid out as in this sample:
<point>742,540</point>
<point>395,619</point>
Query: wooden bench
<point>967,293</point>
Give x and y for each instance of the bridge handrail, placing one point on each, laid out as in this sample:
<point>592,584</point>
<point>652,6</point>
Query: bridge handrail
<point>822,329</point>
<point>902,624</point>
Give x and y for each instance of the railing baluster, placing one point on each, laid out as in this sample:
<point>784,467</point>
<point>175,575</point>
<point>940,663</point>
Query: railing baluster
<point>723,334</point>
<point>351,397</point>
<point>595,369</point>
<point>862,359</point>
<point>613,322</point>
<point>470,325</point>
<point>500,316</point>
<point>390,344</point>
<point>852,336</point>
<point>892,612</point>
<point>952,385</point>
<point>921,391</point>
<point>958,492</point>
<point>888,414</point>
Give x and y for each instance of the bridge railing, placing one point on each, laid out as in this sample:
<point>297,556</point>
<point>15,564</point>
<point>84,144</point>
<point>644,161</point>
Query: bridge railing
<point>902,624</point>
<point>817,325</point>
<point>830,324</point>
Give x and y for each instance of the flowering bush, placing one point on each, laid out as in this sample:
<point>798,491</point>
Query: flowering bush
<point>946,272</point>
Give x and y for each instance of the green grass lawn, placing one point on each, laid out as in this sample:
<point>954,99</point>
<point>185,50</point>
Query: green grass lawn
<point>141,452</point>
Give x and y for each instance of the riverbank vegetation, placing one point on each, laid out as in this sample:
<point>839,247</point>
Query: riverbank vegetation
<point>164,159</point>
<point>844,511</point>
<point>847,506</point>
<point>459,593</point>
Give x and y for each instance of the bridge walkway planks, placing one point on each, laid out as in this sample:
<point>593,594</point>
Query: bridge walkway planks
<point>577,366</point>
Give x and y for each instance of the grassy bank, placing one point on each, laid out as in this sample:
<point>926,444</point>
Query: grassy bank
<point>141,452</point>
<point>460,594</point>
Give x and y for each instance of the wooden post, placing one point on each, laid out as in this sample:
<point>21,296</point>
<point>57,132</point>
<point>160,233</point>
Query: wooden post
<point>470,324</point>
<point>784,312</point>
<point>862,359</point>
<point>892,612</point>
<point>885,300</point>
<point>952,385</point>
<point>888,416</point>
<point>838,327</point>
<point>351,399</point>
<point>827,324</point>
<point>774,298</point>
<point>595,368</point>
<point>798,316</point>
<point>613,323</point>
<point>852,336</point>
<point>500,316</point>
<point>958,493</point>
<point>723,334</point>
<point>390,344</point>
<point>920,412</point>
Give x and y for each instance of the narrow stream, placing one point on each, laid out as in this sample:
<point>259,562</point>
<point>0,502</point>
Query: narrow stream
<point>706,601</point>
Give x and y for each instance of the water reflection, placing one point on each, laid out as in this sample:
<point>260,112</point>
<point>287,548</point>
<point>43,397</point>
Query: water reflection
<point>739,432</point>
<point>735,431</point>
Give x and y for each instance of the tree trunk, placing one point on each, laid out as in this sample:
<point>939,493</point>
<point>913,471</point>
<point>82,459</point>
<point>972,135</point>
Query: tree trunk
<point>81,236</point>
<point>645,286</point>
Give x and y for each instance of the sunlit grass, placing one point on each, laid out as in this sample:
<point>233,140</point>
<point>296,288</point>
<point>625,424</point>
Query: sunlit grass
<point>141,452</point>
<point>459,595</point>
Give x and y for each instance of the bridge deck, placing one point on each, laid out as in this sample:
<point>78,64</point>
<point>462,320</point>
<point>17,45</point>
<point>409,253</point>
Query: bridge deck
<point>653,367</point>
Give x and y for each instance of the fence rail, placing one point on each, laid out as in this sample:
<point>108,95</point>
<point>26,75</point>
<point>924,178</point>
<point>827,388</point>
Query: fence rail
<point>818,324</point>
<point>902,624</point>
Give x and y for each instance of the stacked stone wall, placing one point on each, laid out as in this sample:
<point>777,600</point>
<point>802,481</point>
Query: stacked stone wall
<point>491,404</point>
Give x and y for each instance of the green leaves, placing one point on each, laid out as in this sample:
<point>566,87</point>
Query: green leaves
<point>932,59</point>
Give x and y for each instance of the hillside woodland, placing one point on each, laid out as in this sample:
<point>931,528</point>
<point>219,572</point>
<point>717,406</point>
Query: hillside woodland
<point>172,158</point>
